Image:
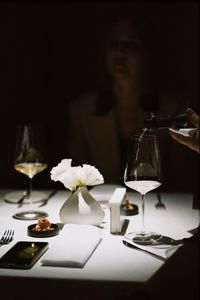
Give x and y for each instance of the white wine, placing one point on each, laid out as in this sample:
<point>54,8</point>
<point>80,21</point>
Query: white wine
<point>143,174</point>
<point>143,186</point>
<point>30,169</point>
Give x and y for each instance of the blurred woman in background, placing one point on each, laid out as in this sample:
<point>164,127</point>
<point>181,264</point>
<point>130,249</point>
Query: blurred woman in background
<point>101,121</point>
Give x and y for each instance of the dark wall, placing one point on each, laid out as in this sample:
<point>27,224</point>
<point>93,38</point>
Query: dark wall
<point>49,53</point>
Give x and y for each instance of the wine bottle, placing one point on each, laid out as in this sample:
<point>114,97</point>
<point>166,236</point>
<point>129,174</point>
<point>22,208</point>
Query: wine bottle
<point>170,121</point>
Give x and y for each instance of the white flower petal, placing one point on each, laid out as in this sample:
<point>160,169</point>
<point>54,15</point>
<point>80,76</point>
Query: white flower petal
<point>89,175</point>
<point>69,179</point>
<point>61,168</point>
<point>73,177</point>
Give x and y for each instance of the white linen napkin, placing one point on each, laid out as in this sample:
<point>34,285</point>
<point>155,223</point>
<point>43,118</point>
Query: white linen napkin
<point>160,250</point>
<point>73,246</point>
<point>184,131</point>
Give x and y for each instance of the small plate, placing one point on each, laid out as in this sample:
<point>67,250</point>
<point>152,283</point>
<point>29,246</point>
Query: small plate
<point>42,234</point>
<point>129,212</point>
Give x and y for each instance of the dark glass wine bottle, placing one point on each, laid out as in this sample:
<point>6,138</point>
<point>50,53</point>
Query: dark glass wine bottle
<point>170,121</point>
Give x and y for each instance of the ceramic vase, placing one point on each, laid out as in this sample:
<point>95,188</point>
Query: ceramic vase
<point>81,208</point>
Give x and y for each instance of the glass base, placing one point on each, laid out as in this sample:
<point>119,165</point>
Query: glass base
<point>30,215</point>
<point>144,238</point>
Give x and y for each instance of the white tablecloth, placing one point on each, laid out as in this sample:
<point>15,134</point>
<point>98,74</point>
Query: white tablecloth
<point>111,261</point>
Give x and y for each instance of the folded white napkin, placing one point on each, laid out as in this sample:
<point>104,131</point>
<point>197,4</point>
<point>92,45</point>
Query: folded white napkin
<point>161,251</point>
<point>184,131</point>
<point>73,246</point>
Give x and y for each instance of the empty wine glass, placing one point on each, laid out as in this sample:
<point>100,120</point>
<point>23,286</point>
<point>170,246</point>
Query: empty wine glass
<point>143,174</point>
<point>30,160</point>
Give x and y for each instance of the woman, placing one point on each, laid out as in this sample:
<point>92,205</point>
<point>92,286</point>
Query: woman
<point>101,121</point>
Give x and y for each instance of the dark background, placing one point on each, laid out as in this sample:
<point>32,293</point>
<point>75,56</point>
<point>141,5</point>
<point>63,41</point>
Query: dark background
<point>48,56</point>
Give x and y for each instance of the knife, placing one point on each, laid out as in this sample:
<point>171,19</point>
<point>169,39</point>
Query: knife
<point>20,201</point>
<point>144,250</point>
<point>45,200</point>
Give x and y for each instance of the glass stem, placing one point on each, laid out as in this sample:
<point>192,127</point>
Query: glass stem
<point>30,192</point>
<point>143,206</point>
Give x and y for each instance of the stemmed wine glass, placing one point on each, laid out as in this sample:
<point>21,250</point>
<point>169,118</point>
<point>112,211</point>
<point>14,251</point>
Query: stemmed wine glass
<point>30,160</point>
<point>143,174</point>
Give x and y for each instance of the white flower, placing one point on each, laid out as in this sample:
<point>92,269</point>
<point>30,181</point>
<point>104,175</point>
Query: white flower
<point>61,168</point>
<point>74,177</point>
<point>90,175</point>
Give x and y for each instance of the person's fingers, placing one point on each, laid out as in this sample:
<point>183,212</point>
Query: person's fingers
<point>186,140</point>
<point>194,117</point>
<point>180,138</point>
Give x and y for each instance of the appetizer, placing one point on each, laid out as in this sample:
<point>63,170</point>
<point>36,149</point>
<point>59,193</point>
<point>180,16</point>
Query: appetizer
<point>43,225</point>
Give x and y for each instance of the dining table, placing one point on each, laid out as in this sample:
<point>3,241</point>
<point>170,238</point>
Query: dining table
<point>114,268</point>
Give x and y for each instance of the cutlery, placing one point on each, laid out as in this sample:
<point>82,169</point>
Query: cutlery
<point>45,200</point>
<point>7,237</point>
<point>160,204</point>
<point>143,250</point>
<point>20,201</point>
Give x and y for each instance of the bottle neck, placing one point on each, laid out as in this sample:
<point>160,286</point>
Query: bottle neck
<point>176,121</point>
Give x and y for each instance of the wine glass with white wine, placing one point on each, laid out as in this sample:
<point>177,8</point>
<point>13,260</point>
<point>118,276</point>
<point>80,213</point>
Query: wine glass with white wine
<point>30,160</point>
<point>143,174</point>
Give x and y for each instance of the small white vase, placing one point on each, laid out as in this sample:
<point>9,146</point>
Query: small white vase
<point>81,208</point>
